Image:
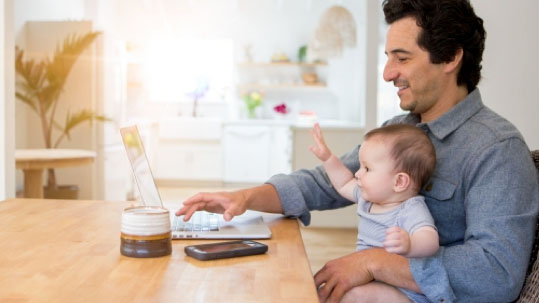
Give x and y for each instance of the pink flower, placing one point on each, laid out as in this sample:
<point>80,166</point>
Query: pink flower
<point>281,108</point>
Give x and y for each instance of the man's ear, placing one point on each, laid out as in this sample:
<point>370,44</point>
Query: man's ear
<point>455,63</point>
<point>402,182</point>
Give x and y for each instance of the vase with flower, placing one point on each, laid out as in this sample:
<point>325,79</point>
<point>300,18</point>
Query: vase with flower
<point>253,100</point>
<point>201,88</point>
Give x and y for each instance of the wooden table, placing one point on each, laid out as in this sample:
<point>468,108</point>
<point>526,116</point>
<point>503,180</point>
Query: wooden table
<point>69,251</point>
<point>34,161</point>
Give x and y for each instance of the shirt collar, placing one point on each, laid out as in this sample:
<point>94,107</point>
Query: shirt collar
<point>454,118</point>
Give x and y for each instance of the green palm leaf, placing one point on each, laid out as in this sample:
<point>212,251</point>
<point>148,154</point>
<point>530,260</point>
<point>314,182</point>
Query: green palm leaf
<point>33,74</point>
<point>28,100</point>
<point>72,121</point>
<point>65,57</point>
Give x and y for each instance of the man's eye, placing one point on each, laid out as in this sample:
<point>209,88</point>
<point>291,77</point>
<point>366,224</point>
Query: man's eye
<point>402,59</point>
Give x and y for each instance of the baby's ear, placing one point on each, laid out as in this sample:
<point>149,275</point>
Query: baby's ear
<point>402,182</point>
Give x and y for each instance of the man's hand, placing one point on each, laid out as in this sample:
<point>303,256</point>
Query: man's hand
<point>261,198</point>
<point>229,204</point>
<point>321,151</point>
<point>340,275</point>
<point>397,241</point>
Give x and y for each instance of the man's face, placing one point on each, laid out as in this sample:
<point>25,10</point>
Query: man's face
<point>420,82</point>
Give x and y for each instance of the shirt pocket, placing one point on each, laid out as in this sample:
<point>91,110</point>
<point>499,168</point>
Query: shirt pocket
<point>440,195</point>
<point>439,189</point>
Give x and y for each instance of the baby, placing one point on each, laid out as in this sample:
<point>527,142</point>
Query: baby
<point>396,161</point>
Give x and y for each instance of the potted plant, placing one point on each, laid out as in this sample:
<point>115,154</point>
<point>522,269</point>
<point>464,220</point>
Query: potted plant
<point>40,85</point>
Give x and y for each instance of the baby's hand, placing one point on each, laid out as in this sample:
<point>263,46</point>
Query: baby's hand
<point>397,241</point>
<point>321,151</point>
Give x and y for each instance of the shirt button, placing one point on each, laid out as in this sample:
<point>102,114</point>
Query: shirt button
<point>429,188</point>
<point>442,300</point>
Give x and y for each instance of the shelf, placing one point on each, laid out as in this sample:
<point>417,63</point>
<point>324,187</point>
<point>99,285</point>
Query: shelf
<point>280,64</point>
<point>320,87</point>
<point>284,77</point>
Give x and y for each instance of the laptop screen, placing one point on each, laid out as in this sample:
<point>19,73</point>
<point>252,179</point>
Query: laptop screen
<point>141,167</point>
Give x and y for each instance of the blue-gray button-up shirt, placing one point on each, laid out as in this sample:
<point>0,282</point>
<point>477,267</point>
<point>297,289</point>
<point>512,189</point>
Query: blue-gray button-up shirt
<point>483,196</point>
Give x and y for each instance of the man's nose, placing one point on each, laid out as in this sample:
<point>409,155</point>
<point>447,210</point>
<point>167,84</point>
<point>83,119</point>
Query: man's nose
<point>390,72</point>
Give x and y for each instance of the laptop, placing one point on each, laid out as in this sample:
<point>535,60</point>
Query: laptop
<point>202,225</point>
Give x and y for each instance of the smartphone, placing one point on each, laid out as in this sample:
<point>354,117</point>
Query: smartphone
<point>225,249</point>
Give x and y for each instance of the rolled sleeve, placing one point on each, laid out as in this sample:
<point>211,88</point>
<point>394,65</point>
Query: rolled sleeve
<point>295,205</point>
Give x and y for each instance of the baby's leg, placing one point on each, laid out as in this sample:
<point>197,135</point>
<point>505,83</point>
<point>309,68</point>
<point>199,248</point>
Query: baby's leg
<point>374,292</point>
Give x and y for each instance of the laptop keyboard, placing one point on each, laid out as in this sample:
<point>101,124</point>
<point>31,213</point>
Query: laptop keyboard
<point>200,221</point>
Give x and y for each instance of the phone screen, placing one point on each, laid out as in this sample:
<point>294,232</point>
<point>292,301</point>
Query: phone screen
<point>223,247</point>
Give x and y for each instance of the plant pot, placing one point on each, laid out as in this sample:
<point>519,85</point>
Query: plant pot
<point>66,192</point>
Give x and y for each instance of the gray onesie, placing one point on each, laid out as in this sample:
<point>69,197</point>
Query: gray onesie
<point>409,215</point>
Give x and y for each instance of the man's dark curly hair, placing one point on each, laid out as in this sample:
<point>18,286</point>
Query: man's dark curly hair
<point>447,25</point>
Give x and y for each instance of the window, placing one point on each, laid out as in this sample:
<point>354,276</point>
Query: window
<point>178,68</point>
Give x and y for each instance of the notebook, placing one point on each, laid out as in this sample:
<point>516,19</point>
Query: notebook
<point>202,225</point>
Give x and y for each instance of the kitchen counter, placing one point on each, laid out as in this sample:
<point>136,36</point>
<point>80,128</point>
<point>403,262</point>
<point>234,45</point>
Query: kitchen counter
<point>295,124</point>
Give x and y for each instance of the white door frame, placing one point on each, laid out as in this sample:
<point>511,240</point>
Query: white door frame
<point>7,102</point>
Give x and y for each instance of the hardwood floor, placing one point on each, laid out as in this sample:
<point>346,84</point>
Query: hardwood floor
<point>325,244</point>
<point>321,244</point>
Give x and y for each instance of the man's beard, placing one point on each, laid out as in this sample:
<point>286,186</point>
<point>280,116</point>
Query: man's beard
<point>411,106</point>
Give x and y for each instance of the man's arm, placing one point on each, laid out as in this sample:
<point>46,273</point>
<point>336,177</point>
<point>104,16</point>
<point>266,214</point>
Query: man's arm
<point>293,195</point>
<point>340,275</point>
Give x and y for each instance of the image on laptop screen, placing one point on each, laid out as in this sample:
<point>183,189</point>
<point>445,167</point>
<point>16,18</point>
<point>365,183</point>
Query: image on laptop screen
<point>140,165</point>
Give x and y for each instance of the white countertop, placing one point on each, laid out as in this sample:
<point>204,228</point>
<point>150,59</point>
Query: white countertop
<point>333,124</point>
<point>212,128</point>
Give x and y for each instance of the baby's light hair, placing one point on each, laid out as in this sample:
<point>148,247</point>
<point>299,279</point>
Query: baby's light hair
<point>412,150</point>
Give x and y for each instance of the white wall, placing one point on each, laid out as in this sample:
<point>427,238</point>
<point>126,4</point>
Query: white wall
<point>39,10</point>
<point>510,62</point>
<point>7,133</point>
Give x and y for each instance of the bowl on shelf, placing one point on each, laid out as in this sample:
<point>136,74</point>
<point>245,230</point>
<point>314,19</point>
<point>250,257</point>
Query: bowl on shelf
<point>309,78</point>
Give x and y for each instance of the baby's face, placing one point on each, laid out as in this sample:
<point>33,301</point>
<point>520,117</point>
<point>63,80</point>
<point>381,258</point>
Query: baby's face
<point>376,175</point>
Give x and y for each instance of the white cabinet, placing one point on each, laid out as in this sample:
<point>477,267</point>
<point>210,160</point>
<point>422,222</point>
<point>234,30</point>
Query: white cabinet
<point>177,160</point>
<point>189,149</point>
<point>253,153</point>
<point>248,151</point>
<point>280,158</point>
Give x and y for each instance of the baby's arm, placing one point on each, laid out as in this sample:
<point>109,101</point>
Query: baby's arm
<point>422,243</point>
<point>341,177</point>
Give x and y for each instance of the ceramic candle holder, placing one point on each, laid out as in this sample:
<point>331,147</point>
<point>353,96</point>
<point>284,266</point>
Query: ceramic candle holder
<point>145,232</point>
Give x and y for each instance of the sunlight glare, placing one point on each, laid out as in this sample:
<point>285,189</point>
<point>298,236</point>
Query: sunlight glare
<point>176,67</point>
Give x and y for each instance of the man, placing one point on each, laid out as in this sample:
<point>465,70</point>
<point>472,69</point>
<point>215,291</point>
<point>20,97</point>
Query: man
<point>483,196</point>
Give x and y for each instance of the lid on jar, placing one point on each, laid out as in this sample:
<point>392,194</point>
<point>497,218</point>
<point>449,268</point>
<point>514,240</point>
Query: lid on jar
<point>145,220</point>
